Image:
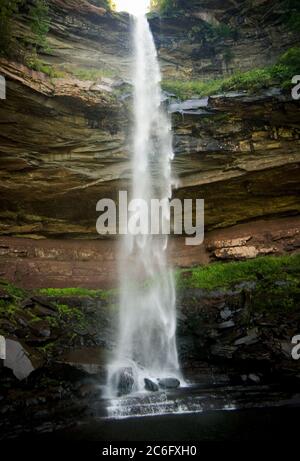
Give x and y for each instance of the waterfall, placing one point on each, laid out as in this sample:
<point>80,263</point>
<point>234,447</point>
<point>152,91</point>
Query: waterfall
<point>146,342</point>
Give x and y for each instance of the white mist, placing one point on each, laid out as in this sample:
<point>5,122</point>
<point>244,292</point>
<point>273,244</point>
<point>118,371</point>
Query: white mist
<point>146,340</point>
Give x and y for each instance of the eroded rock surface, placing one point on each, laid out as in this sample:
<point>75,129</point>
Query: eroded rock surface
<point>65,141</point>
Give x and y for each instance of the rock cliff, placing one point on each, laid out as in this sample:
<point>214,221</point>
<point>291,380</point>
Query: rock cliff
<point>64,134</point>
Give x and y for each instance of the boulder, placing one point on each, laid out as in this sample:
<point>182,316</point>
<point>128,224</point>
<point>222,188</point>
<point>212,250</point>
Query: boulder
<point>124,381</point>
<point>151,385</point>
<point>41,329</point>
<point>20,359</point>
<point>169,383</point>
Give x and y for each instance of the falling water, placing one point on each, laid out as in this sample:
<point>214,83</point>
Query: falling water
<point>146,340</point>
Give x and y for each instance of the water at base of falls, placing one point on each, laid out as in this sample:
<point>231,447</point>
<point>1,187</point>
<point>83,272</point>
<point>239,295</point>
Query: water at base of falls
<point>146,342</point>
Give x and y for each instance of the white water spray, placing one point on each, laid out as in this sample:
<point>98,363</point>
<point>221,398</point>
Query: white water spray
<point>146,340</point>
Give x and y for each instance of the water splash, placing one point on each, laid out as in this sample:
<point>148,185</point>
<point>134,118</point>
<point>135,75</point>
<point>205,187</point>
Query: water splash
<point>147,322</point>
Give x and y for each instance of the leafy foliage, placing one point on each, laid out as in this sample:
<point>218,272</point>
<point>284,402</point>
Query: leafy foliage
<point>280,74</point>
<point>38,15</point>
<point>39,65</point>
<point>292,14</point>
<point>39,22</point>
<point>164,6</point>
<point>8,10</point>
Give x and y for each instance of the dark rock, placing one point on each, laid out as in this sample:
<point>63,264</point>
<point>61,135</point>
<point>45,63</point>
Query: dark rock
<point>223,350</point>
<point>169,383</point>
<point>226,313</point>
<point>124,381</point>
<point>190,106</point>
<point>254,378</point>
<point>62,373</point>
<point>7,379</point>
<point>5,296</point>
<point>22,319</point>
<point>89,390</point>
<point>228,324</point>
<point>251,338</point>
<point>41,329</point>
<point>151,385</point>
<point>91,360</point>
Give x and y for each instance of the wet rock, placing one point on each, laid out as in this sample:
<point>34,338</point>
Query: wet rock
<point>90,359</point>
<point>7,379</point>
<point>223,350</point>
<point>254,378</point>
<point>39,306</point>
<point>4,296</point>
<point>224,325</point>
<point>190,106</point>
<point>169,383</point>
<point>251,338</point>
<point>57,373</point>
<point>41,329</point>
<point>22,319</point>
<point>151,385</point>
<point>226,313</point>
<point>89,390</point>
<point>124,381</point>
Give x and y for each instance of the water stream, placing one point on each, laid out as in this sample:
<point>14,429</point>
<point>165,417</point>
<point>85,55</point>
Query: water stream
<point>146,342</point>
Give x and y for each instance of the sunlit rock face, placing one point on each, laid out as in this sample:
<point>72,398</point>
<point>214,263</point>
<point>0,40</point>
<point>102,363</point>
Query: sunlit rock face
<point>65,141</point>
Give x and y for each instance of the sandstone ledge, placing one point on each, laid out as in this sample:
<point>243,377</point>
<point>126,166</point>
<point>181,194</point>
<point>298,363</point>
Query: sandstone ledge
<point>93,264</point>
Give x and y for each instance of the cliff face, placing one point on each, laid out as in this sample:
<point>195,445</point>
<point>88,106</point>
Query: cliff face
<point>210,39</point>
<point>65,141</point>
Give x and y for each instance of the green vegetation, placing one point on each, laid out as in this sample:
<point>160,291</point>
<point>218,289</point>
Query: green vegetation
<point>39,21</point>
<point>8,11</point>
<point>164,6</point>
<point>69,313</point>
<point>206,32</point>
<point>60,292</point>
<point>292,14</point>
<point>11,290</point>
<point>39,65</point>
<point>91,74</point>
<point>226,275</point>
<point>280,74</point>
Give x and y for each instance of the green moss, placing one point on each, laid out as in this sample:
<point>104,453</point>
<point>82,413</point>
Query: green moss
<point>91,74</point>
<point>226,275</point>
<point>67,312</point>
<point>280,74</point>
<point>39,22</point>
<point>40,66</point>
<point>61,292</point>
<point>12,290</point>
<point>276,296</point>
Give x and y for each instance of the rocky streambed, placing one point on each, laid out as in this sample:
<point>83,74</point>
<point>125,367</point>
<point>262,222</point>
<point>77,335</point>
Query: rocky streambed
<point>232,338</point>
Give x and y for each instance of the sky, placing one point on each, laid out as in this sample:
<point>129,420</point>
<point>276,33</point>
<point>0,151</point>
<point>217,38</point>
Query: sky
<point>132,6</point>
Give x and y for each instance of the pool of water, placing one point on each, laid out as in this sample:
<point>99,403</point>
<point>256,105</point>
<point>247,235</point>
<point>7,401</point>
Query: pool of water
<point>194,415</point>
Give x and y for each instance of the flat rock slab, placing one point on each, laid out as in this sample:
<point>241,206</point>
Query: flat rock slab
<point>169,383</point>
